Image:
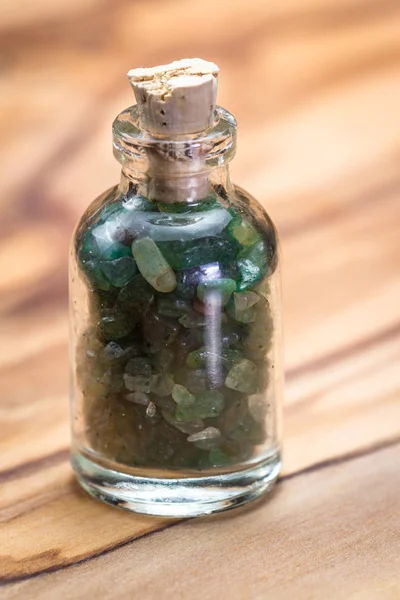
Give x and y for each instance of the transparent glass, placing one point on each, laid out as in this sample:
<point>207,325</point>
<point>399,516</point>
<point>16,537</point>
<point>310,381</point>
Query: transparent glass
<point>176,335</point>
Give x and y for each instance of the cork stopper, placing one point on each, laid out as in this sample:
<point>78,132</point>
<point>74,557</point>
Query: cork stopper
<point>178,98</point>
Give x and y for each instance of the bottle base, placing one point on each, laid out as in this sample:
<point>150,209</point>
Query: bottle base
<point>176,497</point>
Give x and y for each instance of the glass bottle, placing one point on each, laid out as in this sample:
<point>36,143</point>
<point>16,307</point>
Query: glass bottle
<point>175,329</point>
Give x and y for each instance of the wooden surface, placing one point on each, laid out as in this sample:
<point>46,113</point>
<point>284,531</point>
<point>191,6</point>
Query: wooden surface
<point>319,144</point>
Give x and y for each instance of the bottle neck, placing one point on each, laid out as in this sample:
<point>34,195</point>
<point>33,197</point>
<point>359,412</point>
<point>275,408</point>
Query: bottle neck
<point>182,168</point>
<point>189,189</point>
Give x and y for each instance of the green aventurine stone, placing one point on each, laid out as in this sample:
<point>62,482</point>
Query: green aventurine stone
<point>163,359</point>
<point>88,249</point>
<point>223,288</point>
<point>206,405</point>
<point>96,276</point>
<point>172,306</point>
<point>139,366</point>
<point>252,265</point>
<point>249,274</point>
<point>162,385</point>
<point>119,271</point>
<point>113,250</point>
<point>115,325</point>
<point>137,294</point>
<point>218,458</point>
<point>192,320</point>
<point>137,383</point>
<point>244,300</point>
<point>242,316</point>
<point>243,232</point>
<point>200,357</point>
<point>243,377</point>
<point>153,266</point>
<point>188,254</point>
<point>181,395</point>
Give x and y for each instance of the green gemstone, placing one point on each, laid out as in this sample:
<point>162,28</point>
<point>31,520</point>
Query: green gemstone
<point>115,325</point>
<point>242,316</point>
<point>245,300</point>
<point>88,249</point>
<point>137,295</point>
<point>172,306</point>
<point>137,383</point>
<point>243,377</point>
<point>115,250</point>
<point>96,276</point>
<point>163,359</point>
<point>181,395</point>
<point>108,211</point>
<point>220,288</point>
<point>152,265</point>
<point>206,405</point>
<point>200,357</point>
<point>162,385</point>
<point>192,320</point>
<point>119,271</point>
<point>249,274</point>
<point>218,458</point>
<point>139,366</point>
<point>193,253</point>
<point>243,232</point>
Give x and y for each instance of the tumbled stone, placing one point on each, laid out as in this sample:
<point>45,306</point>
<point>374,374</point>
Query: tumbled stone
<point>258,407</point>
<point>115,325</point>
<point>209,433</point>
<point>241,316</point>
<point>96,275</point>
<point>206,405</point>
<point>151,410</point>
<point>188,428</point>
<point>196,380</point>
<point>189,279</point>
<point>245,300</point>
<point>200,357</point>
<point>181,395</point>
<point>206,439</point>
<point>137,294</point>
<point>119,271</point>
<point>139,366</point>
<point>152,265</point>
<point>221,289</point>
<point>243,377</point>
<point>192,253</point>
<point>218,458</point>
<point>172,306</point>
<point>138,398</point>
<point>137,383</point>
<point>244,232</point>
<point>249,274</point>
<point>113,351</point>
<point>192,320</point>
<point>163,359</point>
<point>162,385</point>
<point>252,265</point>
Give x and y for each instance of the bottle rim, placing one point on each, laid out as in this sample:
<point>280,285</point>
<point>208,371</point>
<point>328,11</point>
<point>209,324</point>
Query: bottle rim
<point>132,145</point>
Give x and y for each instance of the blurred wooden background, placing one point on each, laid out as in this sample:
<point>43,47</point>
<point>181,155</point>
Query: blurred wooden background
<point>319,145</point>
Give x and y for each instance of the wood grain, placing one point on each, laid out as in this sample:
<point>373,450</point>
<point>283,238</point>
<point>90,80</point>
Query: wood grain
<point>319,145</point>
